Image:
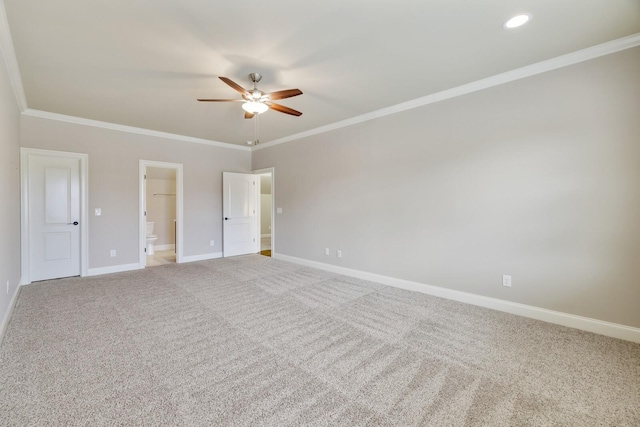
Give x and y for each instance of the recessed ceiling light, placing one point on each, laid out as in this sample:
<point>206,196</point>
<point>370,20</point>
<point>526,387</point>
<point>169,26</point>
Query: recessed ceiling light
<point>517,21</point>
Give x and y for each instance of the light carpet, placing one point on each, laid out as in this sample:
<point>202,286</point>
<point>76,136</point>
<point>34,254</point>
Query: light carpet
<point>257,341</point>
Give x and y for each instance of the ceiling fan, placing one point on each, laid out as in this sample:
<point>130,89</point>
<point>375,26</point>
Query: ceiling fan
<point>257,102</point>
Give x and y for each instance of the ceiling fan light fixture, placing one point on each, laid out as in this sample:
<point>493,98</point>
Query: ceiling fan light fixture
<point>517,21</point>
<point>256,94</point>
<point>255,107</point>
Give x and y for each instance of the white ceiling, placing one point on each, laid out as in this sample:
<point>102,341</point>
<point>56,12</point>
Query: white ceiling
<point>143,63</point>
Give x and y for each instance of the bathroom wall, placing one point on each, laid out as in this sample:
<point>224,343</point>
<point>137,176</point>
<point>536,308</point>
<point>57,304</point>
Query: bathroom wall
<point>161,208</point>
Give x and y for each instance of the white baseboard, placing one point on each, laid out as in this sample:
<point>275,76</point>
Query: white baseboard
<point>113,269</point>
<point>202,257</point>
<point>164,247</point>
<point>7,314</point>
<point>601,327</point>
<point>265,235</point>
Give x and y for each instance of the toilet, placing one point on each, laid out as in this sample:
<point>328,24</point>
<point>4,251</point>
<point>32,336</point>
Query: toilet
<point>151,238</point>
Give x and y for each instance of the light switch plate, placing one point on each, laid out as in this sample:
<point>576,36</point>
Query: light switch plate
<point>279,210</point>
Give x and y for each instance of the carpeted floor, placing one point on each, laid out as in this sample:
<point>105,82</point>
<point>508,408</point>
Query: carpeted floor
<point>257,341</point>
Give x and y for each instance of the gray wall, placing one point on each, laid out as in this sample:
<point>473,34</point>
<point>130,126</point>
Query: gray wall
<point>538,178</point>
<point>113,183</point>
<point>9,190</point>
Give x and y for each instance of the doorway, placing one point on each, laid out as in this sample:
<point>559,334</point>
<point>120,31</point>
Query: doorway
<point>161,213</point>
<point>266,210</point>
<point>54,232</point>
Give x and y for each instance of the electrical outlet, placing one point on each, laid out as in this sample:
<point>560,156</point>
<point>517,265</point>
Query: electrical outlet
<point>112,253</point>
<point>279,210</point>
<point>211,243</point>
<point>98,211</point>
<point>506,280</point>
<point>326,251</point>
<point>339,254</point>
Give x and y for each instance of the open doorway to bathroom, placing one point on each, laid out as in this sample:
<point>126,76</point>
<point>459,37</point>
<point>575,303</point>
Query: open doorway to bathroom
<point>266,211</point>
<point>161,213</point>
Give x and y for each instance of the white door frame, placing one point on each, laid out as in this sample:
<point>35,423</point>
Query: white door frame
<point>272,171</point>
<point>24,203</point>
<point>142,227</point>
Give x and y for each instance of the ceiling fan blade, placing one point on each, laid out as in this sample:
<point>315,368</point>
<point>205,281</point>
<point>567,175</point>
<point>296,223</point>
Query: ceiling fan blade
<point>281,94</point>
<point>220,100</point>
<point>283,109</point>
<point>248,115</point>
<point>234,85</point>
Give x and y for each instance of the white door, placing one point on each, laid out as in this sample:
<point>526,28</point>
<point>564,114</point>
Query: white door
<point>240,196</point>
<point>54,215</point>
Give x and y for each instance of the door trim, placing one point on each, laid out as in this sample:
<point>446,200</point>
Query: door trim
<point>272,171</point>
<point>142,206</point>
<point>24,203</point>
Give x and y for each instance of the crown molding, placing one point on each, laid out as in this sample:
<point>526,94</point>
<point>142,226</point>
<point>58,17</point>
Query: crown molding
<point>130,129</point>
<point>498,79</point>
<point>10,60</point>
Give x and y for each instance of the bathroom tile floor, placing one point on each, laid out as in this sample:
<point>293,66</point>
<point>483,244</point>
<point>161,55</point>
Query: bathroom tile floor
<point>161,258</point>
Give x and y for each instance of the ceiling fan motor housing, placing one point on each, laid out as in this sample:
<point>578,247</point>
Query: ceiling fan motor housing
<point>255,77</point>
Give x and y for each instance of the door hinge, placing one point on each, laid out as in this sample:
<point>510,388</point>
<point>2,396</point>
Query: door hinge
<point>145,213</point>
<point>145,249</point>
<point>254,240</point>
<point>145,176</point>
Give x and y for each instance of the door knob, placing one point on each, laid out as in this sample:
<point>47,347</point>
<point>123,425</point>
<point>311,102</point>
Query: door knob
<point>73,223</point>
<point>225,218</point>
